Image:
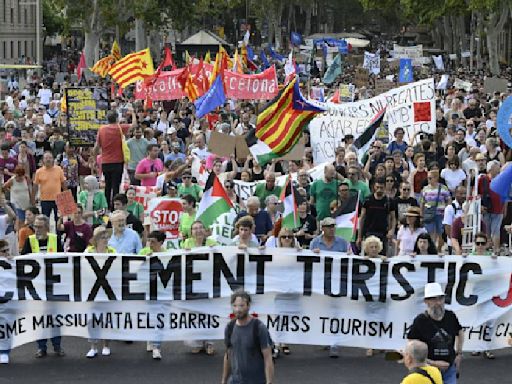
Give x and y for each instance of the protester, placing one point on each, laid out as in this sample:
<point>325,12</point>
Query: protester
<point>424,245</point>
<point>453,211</point>
<point>244,229</point>
<point>28,226</point>
<point>138,146</point>
<point>247,358</point>
<point>149,168</point>
<point>5,255</point>
<point>133,206</point>
<point>440,329</point>
<point>123,239</point>
<point>42,241</point>
<point>415,360</point>
<point>198,237</point>
<point>78,232</point>
<point>93,200</point>
<point>99,244</point>
<point>409,231</point>
<point>262,221</point>
<point>109,142</point>
<point>49,181</point>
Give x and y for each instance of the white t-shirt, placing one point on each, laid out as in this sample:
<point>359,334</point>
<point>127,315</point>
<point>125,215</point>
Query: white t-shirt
<point>453,178</point>
<point>450,214</point>
<point>45,95</point>
<point>408,239</point>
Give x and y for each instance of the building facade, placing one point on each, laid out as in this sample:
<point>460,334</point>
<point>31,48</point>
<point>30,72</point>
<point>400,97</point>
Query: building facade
<point>18,31</point>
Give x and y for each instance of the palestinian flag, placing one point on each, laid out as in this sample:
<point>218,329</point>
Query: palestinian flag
<point>214,202</point>
<point>363,142</point>
<point>280,124</point>
<point>290,214</point>
<point>346,218</point>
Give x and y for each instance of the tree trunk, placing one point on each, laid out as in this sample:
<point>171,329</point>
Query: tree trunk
<point>461,29</point>
<point>448,39</point>
<point>140,35</point>
<point>480,36</point>
<point>92,35</point>
<point>307,25</point>
<point>495,24</point>
<point>437,35</point>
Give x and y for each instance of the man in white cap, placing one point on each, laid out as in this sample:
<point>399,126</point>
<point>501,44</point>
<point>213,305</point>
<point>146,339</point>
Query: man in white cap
<point>440,329</point>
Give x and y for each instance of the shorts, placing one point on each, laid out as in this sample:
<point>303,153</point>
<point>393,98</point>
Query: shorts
<point>435,226</point>
<point>493,223</point>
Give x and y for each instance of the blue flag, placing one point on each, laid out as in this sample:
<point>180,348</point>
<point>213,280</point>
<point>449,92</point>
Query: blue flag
<point>333,71</point>
<point>274,54</point>
<point>212,99</point>
<point>296,38</point>
<point>324,50</point>
<point>504,121</point>
<point>406,74</point>
<point>264,60</point>
<point>501,183</point>
<point>250,53</point>
<point>342,46</point>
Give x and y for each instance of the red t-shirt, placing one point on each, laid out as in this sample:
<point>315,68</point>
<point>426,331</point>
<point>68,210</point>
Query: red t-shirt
<point>457,226</point>
<point>484,187</point>
<point>109,140</point>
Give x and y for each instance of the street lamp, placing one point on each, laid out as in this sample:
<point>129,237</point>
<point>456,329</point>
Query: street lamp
<point>37,3</point>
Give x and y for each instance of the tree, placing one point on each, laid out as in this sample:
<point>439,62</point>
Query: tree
<point>53,19</point>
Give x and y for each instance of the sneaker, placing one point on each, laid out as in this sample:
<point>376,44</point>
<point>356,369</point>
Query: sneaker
<point>92,353</point>
<point>334,351</point>
<point>149,346</point>
<point>59,352</point>
<point>4,358</point>
<point>157,355</point>
<point>105,351</point>
<point>40,353</point>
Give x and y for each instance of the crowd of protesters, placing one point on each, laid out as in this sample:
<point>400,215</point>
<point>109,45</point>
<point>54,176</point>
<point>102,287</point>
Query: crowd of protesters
<point>421,188</point>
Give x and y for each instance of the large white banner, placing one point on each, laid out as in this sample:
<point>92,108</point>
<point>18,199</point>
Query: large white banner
<point>304,298</point>
<point>415,53</point>
<point>411,107</point>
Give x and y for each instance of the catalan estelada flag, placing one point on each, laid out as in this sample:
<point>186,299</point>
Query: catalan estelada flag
<point>133,67</point>
<point>102,66</point>
<point>222,62</point>
<point>186,79</point>
<point>116,51</point>
<point>280,124</point>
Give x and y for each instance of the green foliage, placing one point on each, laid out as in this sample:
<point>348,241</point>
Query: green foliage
<point>53,19</point>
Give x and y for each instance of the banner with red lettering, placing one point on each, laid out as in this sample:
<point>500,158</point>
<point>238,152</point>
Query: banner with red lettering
<point>262,86</point>
<point>167,86</point>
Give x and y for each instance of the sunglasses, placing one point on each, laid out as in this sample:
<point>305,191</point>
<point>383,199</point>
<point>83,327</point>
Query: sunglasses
<point>228,186</point>
<point>406,189</point>
<point>186,177</point>
<point>480,243</point>
<point>286,237</point>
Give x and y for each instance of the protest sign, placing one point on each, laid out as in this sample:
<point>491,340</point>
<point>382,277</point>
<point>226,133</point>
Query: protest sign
<point>303,298</point>
<point>383,85</point>
<point>329,128</point>
<point>495,84</point>
<point>346,92</point>
<point>223,228</point>
<point>452,56</point>
<point>261,86</point>
<point>86,111</point>
<point>244,189</point>
<point>415,53</point>
<point>438,61</point>
<point>165,213</point>
<point>317,93</point>
<point>361,77</point>
<point>372,62</point>
<point>443,82</point>
<point>221,144</point>
<point>66,203</point>
<point>461,84</point>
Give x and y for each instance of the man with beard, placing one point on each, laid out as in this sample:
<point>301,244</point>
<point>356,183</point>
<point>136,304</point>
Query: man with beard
<point>377,216</point>
<point>248,357</point>
<point>440,329</point>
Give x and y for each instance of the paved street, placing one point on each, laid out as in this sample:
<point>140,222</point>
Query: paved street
<point>131,364</point>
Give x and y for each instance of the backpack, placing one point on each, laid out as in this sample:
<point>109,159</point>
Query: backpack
<point>254,325</point>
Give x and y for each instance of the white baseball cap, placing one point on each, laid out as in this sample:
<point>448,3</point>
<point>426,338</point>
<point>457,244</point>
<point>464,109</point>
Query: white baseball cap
<point>433,290</point>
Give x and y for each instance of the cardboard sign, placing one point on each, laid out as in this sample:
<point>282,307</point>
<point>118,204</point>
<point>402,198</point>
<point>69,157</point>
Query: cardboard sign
<point>221,144</point>
<point>361,77</point>
<point>495,84</point>
<point>66,203</point>
<point>383,85</point>
<point>461,84</point>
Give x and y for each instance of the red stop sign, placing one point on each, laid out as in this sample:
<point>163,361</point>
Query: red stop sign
<point>165,216</point>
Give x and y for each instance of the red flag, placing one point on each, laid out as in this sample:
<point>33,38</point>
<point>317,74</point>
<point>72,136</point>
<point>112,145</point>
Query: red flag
<point>200,79</point>
<point>81,66</point>
<point>168,60</point>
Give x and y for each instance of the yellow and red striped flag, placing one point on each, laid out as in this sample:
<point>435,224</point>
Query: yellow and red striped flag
<point>222,62</point>
<point>279,125</point>
<point>116,51</point>
<point>102,66</point>
<point>133,67</point>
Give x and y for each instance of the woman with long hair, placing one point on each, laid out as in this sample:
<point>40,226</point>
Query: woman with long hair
<point>21,193</point>
<point>409,231</point>
<point>424,245</point>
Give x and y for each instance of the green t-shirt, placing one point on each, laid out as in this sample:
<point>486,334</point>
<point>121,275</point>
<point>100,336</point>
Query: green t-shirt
<point>191,243</point>
<point>99,201</point>
<point>136,208</point>
<point>360,186</point>
<point>324,193</point>
<point>262,192</point>
<point>186,222</point>
<point>194,190</point>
